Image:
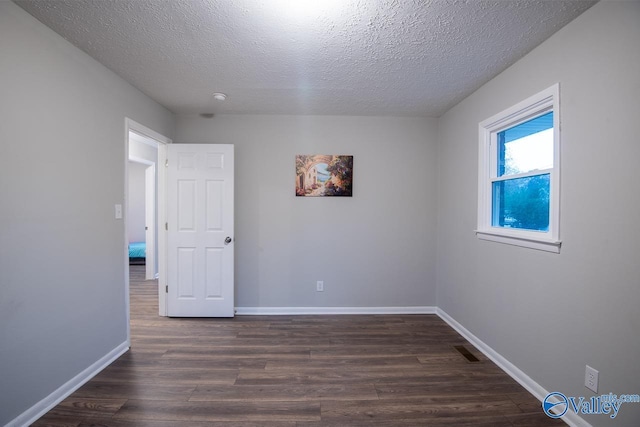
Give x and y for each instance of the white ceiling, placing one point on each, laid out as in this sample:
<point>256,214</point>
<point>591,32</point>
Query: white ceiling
<point>337,57</point>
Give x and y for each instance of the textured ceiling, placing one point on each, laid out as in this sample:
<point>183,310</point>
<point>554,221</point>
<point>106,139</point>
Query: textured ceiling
<point>338,57</point>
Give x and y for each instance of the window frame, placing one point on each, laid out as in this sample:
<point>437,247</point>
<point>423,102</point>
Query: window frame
<point>532,107</point>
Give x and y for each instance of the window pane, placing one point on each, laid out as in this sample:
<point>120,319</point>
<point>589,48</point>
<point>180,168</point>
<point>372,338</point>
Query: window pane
<point>526,147</point>
<point>522,203</point>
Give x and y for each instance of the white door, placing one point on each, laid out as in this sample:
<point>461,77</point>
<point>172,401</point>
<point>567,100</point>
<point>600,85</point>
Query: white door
<point>200,230</point>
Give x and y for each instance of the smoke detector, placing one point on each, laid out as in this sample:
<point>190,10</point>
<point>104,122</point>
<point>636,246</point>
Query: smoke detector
<point>219,96</point>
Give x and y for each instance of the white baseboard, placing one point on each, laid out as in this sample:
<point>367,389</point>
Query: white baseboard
<point>571,418</point>
<point>45,405</point>
<point>290,311</point>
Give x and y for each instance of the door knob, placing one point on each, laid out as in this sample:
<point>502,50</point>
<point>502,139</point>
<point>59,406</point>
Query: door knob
<point>227,240</point>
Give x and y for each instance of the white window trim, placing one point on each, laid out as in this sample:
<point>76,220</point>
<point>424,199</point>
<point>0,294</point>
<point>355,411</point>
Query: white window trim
<point>547,100</point>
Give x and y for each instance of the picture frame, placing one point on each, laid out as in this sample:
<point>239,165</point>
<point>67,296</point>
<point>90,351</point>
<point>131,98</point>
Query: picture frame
<point>322,175</point>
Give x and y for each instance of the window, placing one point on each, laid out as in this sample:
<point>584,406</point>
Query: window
<point>519,174</point>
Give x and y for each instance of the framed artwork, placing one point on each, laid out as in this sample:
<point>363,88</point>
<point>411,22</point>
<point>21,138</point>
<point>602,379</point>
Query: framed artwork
<point>320,175</point>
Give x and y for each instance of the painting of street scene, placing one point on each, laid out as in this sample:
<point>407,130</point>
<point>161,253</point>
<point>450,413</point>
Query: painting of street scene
<point>321,175</point>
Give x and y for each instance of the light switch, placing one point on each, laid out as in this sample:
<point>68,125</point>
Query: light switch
<point>118,211</point>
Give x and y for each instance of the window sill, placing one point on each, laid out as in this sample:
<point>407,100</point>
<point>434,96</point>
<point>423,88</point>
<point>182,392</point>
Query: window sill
<point>546,245</point>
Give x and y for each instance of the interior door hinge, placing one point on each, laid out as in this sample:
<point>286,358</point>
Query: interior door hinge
<point>166,289</point>
<point>166,226</point>
<point>166,163</point>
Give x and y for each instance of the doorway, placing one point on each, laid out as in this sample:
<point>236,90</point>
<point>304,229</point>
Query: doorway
<point>145,149</point>
<point>142,211</point>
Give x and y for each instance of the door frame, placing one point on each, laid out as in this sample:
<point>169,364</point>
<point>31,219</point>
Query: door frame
<point>161,141</point>
<point>150,215</point>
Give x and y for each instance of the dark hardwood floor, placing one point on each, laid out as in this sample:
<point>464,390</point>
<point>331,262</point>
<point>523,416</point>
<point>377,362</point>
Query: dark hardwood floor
<point>304,371</point>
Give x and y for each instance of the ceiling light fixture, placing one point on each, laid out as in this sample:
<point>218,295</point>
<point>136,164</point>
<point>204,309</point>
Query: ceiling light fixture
<point>219,96</point>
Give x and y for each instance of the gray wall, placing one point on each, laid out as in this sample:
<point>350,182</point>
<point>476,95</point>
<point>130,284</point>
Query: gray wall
<point>376,249</point>
<point>551,314</point>
<point>62,292</point>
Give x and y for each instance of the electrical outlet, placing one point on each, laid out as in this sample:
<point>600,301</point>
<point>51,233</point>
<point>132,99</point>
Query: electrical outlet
<point>591,379</point>
<point>320,286</point>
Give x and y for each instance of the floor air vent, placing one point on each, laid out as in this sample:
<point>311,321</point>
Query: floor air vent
<point>466,353</point>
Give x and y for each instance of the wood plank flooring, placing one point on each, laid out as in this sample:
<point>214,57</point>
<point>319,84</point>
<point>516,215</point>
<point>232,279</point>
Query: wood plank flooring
<point>294,371</point>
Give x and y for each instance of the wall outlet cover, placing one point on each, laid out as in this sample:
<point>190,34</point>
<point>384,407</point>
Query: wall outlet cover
<point>591,379</point>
